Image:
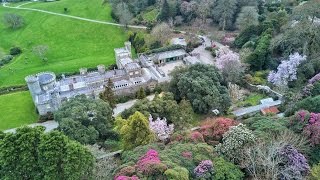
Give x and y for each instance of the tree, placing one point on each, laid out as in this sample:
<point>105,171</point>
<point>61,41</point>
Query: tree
<point>224,13</point>
<point>108,95</point>
<point>141,93</point>
<point>201,85</point>
<point>41,52</point>
<point>13,21</point>
<point>247,17</point>
<point>123,13</point>
<point>213,129</point>
<point>136,131</point>
<point>229,63</point>
<point>234,142</point>
<point>82,116</point>
<point>164,12</point>
<point>39,155</point>
<point>161,128</point>
<point>164,106</point>
<point>287,70</point>
<point>160,32</point>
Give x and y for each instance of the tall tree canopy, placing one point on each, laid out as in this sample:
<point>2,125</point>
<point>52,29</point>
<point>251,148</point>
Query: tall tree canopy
<point>201,85</point>
<point>85,119</point>
<point>32,154</point>
<point>224,13</point>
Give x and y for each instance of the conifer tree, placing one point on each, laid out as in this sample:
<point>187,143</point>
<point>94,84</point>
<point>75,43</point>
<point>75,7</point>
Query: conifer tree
<point>165,11</point>
<point>108,95</point>
<point>141,93</point>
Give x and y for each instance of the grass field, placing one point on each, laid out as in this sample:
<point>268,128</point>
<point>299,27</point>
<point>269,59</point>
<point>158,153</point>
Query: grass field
<point>92,9</point>
<point>72,43</point>
<point>16,109</point>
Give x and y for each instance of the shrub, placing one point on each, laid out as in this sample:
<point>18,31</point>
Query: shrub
<point>15,51</point>
<point>204,169</point>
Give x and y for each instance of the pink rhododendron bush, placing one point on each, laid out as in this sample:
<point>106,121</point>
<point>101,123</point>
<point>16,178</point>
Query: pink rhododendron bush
<point>173,161</point>
<point>308,124</point>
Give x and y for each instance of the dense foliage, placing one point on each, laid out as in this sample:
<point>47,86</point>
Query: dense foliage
<point>32,154</point>
<point>201,85</point>
<point>86,120</point>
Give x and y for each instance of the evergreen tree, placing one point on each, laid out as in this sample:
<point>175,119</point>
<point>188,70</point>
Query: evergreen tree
<point>165,11</point>
<point>32,154</point>
<point>136,131</point>
<point>224,13</point>
<point>141,93</point>
<point>108,95</point>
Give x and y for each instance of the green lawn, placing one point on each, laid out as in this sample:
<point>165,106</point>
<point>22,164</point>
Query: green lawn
<point>151,15</point>
<point>252,100</point>
<point>72,44</point>
<point>16,109</point>
<point>92,9</point>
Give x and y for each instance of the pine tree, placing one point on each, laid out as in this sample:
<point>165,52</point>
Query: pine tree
<point>165,11</point>
<point>141,93</point>
<point>108,95</point>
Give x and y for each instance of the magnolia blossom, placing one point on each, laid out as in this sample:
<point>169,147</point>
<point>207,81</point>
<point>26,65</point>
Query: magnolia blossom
<point>161,128</point>
<point>226,56</point>
<point>287,70</point>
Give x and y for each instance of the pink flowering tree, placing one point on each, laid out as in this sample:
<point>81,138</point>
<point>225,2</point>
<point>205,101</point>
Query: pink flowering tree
<point>161,128</point>
<point>226,56</point>
<point>228,62</point>
<point>204,169</point>
<point>287,70</point>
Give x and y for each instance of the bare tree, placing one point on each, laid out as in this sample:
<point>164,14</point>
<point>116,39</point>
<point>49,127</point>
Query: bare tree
<point>41,52</point>
<point>161,32</point>
<point>13,21</point>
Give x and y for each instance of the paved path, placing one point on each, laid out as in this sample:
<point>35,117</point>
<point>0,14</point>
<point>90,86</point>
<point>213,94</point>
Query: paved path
<point>70,16</point>
<point>51,125</point>
<point>205,56</point>
<point>257,108</point>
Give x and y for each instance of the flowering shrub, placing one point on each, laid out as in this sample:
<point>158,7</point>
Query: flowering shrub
<point>125,172</point>
<point>296,164</point>
<point>234,141</point>
<point>150,164</point>
<point>287,70</point>
<point>213,129</point>
<point>203,169</point>
<point>161,128</point>
<point>196,137</point>
<point>308,124</point>
<point>225,56</point>
<point>126,178</point>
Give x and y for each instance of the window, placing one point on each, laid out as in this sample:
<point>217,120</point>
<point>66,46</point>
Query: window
<point>137,72</point>
<point>131,73</point>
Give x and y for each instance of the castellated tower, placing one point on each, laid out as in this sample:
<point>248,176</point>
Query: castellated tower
<point>33,85</point>
<point>128,47</point>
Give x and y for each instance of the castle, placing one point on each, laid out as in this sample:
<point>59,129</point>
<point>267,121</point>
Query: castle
<point>48,92</point>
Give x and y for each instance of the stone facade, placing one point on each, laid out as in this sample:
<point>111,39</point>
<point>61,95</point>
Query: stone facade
<point>48,93</point>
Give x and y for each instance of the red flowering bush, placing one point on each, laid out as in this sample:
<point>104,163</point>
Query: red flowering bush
<point>196,137</point>
<point>213,129</point>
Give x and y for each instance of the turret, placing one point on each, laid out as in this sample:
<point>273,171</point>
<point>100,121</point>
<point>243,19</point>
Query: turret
<point>33,85</point>
<point>101,68</point>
